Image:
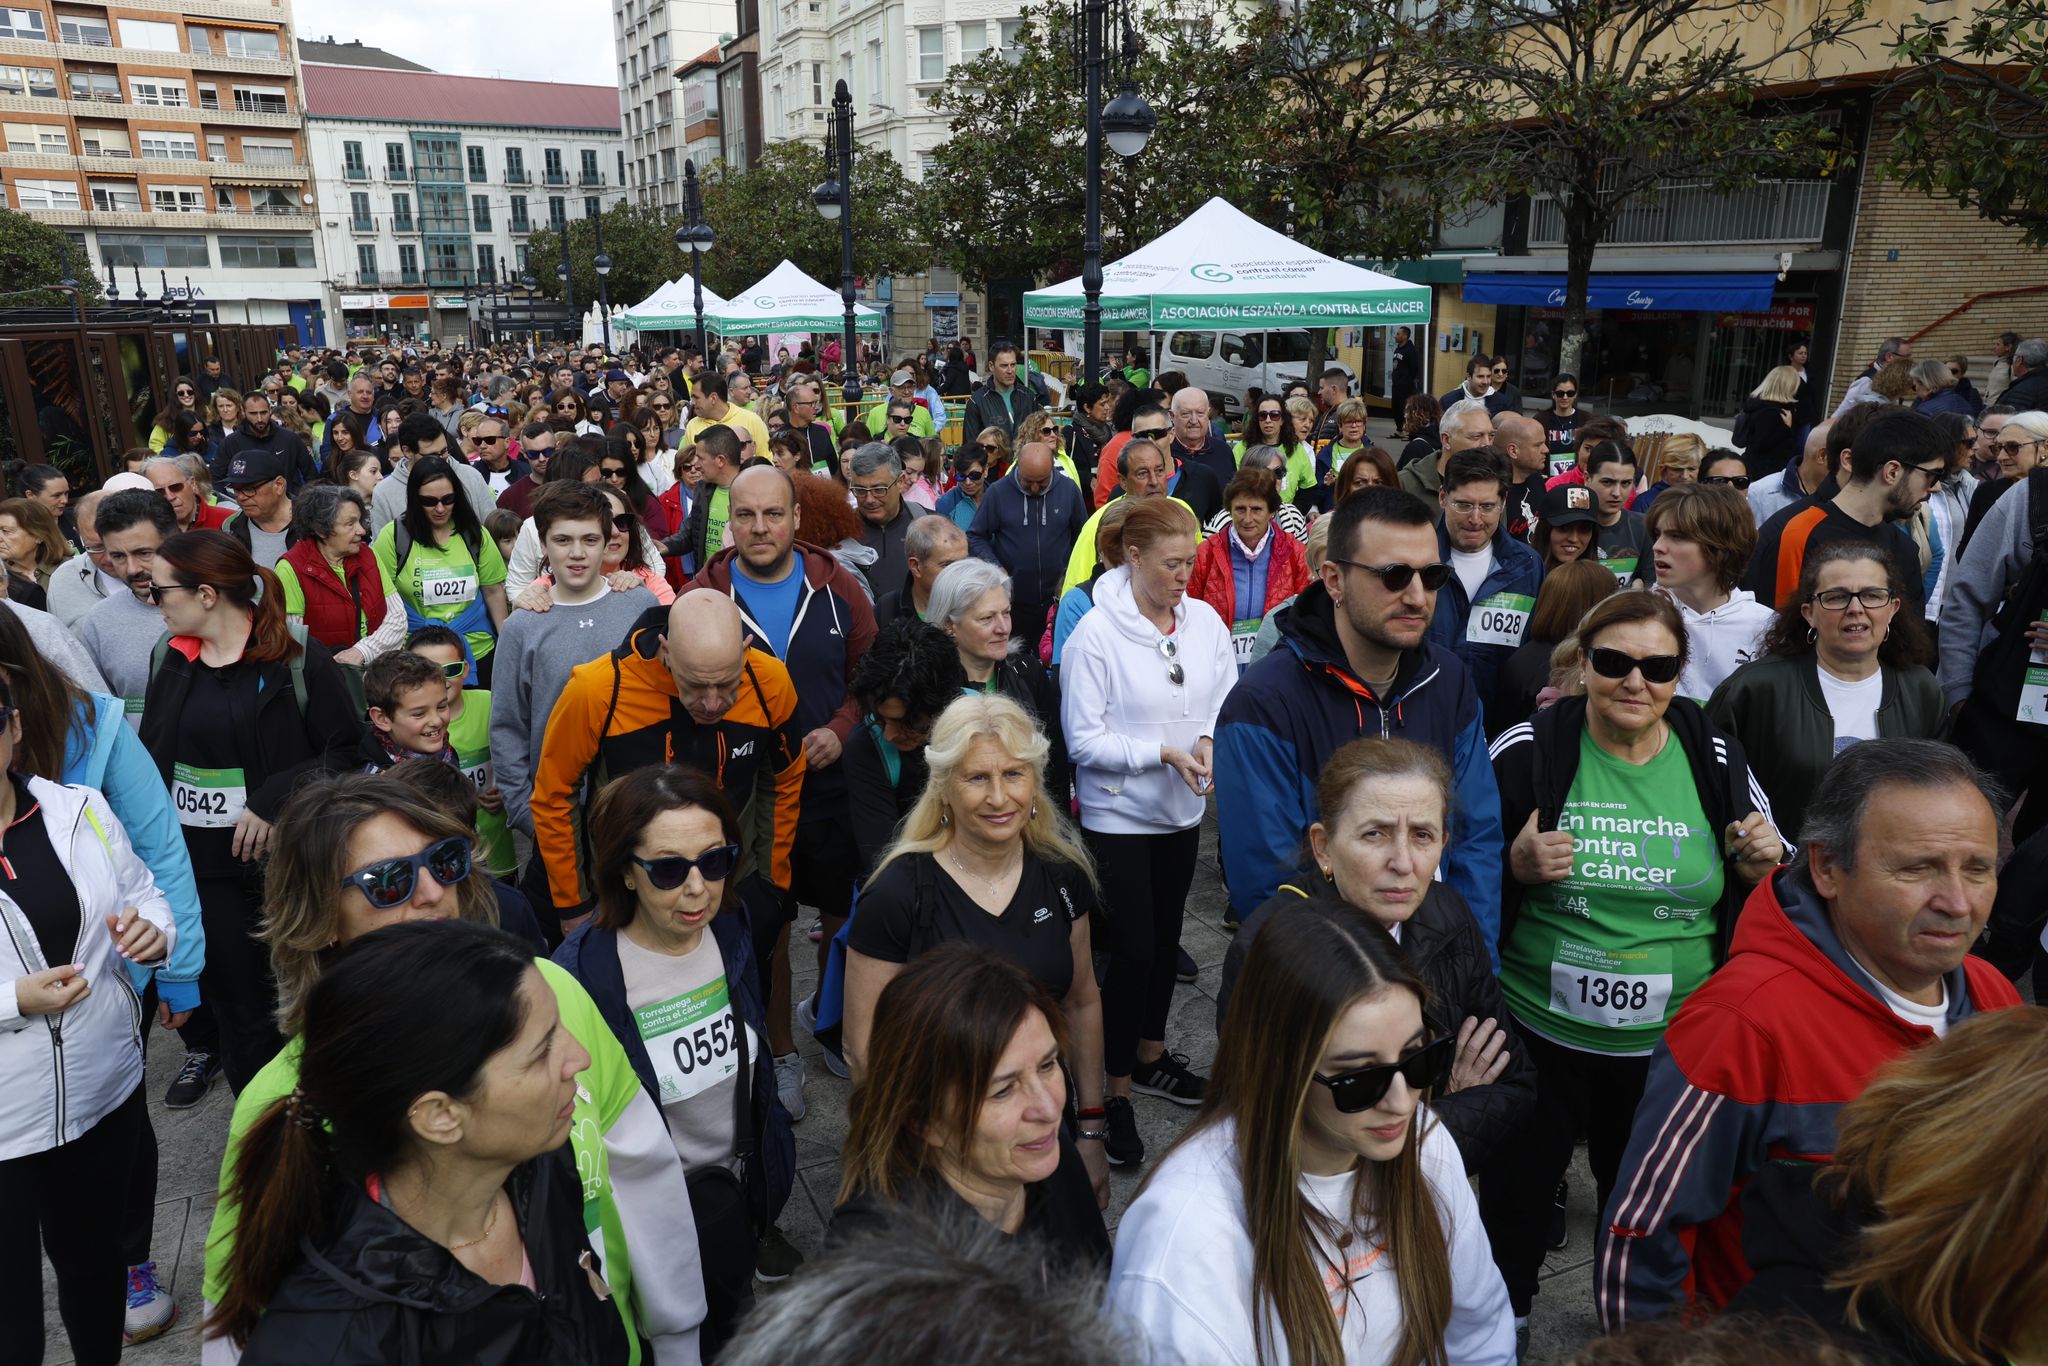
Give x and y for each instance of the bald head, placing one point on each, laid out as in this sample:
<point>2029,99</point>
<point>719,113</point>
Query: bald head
<point>1521,436</point>
<point>705,650</point>
<point>929,546</point>
<point>1813,459</point>
<point>1034,469</point>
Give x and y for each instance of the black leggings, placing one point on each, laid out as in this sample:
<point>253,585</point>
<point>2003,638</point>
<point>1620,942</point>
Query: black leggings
<point>70,1202</point>
<point>1145,880</point>
<point>236,980</point>
<point>1591,1093</point>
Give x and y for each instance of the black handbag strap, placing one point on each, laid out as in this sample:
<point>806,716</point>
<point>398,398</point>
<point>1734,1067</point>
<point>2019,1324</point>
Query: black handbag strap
<point>742,1123</point>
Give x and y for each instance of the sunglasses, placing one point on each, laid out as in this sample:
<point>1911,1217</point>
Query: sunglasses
<point>899,417</point>
<point>2012,448</point>
<point>455,668</point>
<point>1396,577</point>
<point>487,440</point>
<point>1362,1088</point>
<point>1620,664</point>
<point>1150,433</point>
<point>1265,413</point>
<point>391,882</point>
<point>672,871</point>
<point>169,489</point>
<point>1740,481</point>
<point>1564,393</point>
<point>618,474</point>
<point>155,592</point>
<point>445,501</point>
<point>973,477</point>
<point>1174,673</point>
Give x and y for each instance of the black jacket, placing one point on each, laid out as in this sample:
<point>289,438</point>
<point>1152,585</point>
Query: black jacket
<point>1767,442</point>
<point>1444,945</point>
<point>1795,1239</point>
<point>875,804</point>
<point>280,441</point>
<point>1023,680</point>
<point>1199,489</point>
<point>987,408</point>
<point>2029,392</point>
<point>289,747</point>
<point>375,1292</point>
<point>1536,762</point>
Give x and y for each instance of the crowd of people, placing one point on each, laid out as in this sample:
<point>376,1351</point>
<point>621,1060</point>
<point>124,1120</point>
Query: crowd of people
<point>454,780</point>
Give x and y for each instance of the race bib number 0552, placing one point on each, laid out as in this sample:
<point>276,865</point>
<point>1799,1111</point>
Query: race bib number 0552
<point>690,1040</point>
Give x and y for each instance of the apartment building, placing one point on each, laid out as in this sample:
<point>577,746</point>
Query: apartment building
<point>653,38</point>
<point>169,140</point>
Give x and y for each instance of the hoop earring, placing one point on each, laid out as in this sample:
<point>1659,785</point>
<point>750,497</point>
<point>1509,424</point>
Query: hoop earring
<point>1887,634</point>
<point>1813,635</point>
<point>944,819</point>
<point>1328,876</point>
<point>1034,811</point>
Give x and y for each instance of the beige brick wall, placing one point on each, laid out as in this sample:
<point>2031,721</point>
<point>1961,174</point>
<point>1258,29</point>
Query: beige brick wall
<point>1947,256</point>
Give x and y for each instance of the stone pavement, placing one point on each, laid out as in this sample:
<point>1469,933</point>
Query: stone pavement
<point>190,1145</point>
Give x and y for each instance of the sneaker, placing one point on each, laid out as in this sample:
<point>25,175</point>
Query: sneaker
<point>1521,1337</point>
<point>1230,920</point>
<point>195,1077</point>
<point>150,1307</point>
<point>775,1258</point>
<point>807,1016</point>
<point>789,1085</point>
<point>1184,970</point>
<point>1558,1234</point>
<point>1168,1078</point>
<point>1121,1143</point>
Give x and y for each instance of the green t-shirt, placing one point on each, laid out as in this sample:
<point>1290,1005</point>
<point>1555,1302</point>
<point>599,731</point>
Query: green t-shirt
<point>440,582</point>
<point>715,520</point>
<point>605,1089</point>
<point>1601,960</point>
<point>469,735</point>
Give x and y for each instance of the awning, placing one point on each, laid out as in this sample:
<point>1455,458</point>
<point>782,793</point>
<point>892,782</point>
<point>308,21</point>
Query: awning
<point>1703,293</point>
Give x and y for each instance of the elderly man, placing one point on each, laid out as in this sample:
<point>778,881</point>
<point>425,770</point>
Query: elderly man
<point>259,481</point>
<point>1856,953</point>
<point>877,489</point>
<point>82,582</point>
<point>181,491</point>
<point>1145,471</point>
<point>1195,442</point>
<point>362,401</point>
<point>1466,426</point>
<point>2028,391</point>
<point>931,544</point>
<point>1029,522</point>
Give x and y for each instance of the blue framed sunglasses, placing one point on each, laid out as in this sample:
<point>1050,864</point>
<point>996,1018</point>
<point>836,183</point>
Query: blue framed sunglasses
<point>391,882</point>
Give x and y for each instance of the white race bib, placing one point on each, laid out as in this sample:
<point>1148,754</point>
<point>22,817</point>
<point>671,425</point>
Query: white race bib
<point>1244,636</point>
<point>2034,687</point>
<point>208,798</point>
<point>1499,620</point>
<point>447,587</point>
<point>1604,989</point>
<point>690,1040</point>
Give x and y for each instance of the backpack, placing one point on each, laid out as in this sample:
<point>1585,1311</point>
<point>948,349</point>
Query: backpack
<point>2002,667</point>
<point>297,665</point>
<point>401,545</point>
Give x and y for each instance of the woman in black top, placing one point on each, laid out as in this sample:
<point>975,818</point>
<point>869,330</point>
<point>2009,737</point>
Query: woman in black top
<point>963,1107</point>
<point>970,601</point>
<point>907,677</point>
<point>985,857</point>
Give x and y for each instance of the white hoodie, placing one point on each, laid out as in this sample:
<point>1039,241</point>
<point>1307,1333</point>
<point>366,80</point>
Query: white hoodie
<point>1183,1269</point>
<point>1721,641</point>
<point>1119,706</point>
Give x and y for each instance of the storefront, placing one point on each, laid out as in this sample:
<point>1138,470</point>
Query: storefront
<point>1689,343</point>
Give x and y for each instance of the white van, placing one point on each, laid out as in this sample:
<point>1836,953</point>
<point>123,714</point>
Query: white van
<point>1225,364</point>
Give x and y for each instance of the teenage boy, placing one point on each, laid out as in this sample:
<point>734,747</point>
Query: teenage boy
<point>537,651</point>
<point>469,735</point>
<point>408,712</point>
<point>1619,537</point>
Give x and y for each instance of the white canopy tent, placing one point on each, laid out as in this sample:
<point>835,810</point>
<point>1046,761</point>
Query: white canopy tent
<point>787,300</point>
<point>672,308</point>
<point>1222,270</point>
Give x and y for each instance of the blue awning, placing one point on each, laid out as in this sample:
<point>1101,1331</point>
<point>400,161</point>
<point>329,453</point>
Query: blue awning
<point>1702,293</point>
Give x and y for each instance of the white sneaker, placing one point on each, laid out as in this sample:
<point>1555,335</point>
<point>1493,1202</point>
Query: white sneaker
<point>150,1307</point>
<point>789,1085</point>
<point>807,1016</point>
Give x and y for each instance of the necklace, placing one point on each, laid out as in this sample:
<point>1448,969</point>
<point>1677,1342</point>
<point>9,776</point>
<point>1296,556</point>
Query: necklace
<point>988,883</point>
<point>490,1221</point>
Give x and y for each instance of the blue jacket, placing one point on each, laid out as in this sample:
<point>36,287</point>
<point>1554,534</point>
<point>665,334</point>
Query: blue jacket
<point>102,751</point>
<point>1031,537</point>
<point>1517,568</point>
<point>1290,711</point>
<point>954,506</point>
<point>591,956</point>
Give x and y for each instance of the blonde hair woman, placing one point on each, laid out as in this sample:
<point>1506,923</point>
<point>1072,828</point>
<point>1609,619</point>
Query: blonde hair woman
<point>1766,428</point>
<point>985,858</point>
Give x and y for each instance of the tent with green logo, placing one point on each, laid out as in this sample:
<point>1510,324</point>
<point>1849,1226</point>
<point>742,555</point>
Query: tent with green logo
<point>1221,269</point>
<point>787,300</point>
<point>672,308</point>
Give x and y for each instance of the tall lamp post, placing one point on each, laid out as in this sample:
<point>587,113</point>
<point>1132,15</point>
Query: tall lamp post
<point>568,285</point>
<point>696,237</point>
<point>834,199</point>
<point>1127,121</point>
<point>527,279</point>
<point>603,263</point>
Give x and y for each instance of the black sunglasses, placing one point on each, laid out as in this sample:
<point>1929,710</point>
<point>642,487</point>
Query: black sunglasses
<point>1265,413</point>
<point>445,501</point>
<point>1564,393</point>
<point>1620,664</point>
<point>1396,576</point>
<point>390,882</point>
<point>156,591</point>
<point>1740,481</point>
<point>672,871</point>
<point>1150,433</point>
<point>1362,1088</point>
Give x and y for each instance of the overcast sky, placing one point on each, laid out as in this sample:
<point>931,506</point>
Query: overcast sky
<point>532,40</point>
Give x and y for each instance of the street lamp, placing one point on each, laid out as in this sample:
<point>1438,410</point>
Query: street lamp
<point>834,200</point>
<point>526,279</point>
<point>696,237</point>
<point>562,274</point>
<point>1127,121</point>
<point>603,263</point>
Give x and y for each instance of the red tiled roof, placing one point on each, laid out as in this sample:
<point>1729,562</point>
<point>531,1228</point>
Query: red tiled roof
<point>347,92</point>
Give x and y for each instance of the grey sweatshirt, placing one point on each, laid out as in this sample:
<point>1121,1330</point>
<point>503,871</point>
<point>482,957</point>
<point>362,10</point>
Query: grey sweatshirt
<point>1998,554</point>
<point>120,634</point>
<point>536,653</point>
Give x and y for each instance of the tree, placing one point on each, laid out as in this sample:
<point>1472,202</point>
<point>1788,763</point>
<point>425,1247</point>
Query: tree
<point>1973,127</point>
<point>1004,194</point>
<point>1598,103</point>
<point>767,213</point>
<point>640,239</point>
<point>33,254</point>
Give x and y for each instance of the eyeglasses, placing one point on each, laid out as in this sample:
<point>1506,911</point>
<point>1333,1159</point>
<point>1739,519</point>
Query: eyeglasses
<point>455,668</point>
<point>989,445</point>
<point>1396,577</point>
<point>391,882</point>
<point>1424,1070</point>
<point>2012,448</point>
<point>1934,474</point>
<point>1175,674</point>
<point>487,440</point>
<point>156,591</point>
<point>1273,413</point>
<point>866,491</point>
<point>1150,433</point>
<point>1837,599</point>
<point>1564,393</point>
<point>673,870</point>
<point>565,407</point>
<point>169,489</point>
<point>1620,664</point>
<point>1465,509</point>
<point>445,501</point>
<point>1740,481</point>
<point>973,476</point>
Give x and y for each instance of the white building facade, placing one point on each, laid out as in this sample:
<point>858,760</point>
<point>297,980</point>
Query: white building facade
<point>653,39</point>
<point>429,187</point>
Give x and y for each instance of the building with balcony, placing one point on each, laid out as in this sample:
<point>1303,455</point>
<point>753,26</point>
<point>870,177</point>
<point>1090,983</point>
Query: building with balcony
<point>429,185</point>
<point>651,37</point>
<point>169,140</point>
